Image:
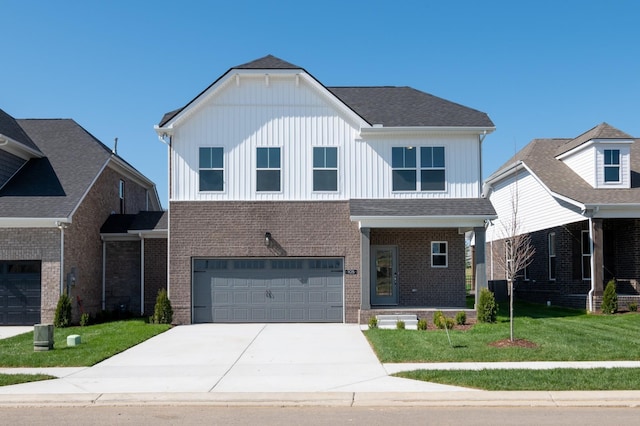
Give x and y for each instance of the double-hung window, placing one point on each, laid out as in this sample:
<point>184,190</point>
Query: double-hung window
<point>121,196</point>
<point>268,170</point>
<point>432,168</point>
<point>586,256</point>
<point>552,256</point>
<point>211,169</point>
<point>403,163</point>
<point>612,165</point>
<point>439,254</point>
<point>325,169</point>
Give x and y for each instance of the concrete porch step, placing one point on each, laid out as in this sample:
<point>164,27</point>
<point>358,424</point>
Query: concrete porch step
<point>390,321</point>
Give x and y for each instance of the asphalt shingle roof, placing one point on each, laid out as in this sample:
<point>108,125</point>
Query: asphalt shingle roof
<point>53,186</point>
<point>540,155</point>
<point>428,207</point>
<point>386,105</point>
<point>9,127</point>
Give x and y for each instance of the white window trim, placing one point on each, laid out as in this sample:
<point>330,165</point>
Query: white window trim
<point>446,254</point>
<point>279,191</point>
<point>584,256</point>
<point>415,169</point>
<point>552,234</point>
<point>224,180</point>
<point>610,166</point>
<point>336,169</point>
<point>422,167</point>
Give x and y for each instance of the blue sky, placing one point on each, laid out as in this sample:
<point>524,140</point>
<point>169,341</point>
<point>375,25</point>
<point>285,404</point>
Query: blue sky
<point>539,68</point>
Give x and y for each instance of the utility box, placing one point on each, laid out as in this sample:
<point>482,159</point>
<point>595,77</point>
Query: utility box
<point>42,337</point>
<point>73,340</point>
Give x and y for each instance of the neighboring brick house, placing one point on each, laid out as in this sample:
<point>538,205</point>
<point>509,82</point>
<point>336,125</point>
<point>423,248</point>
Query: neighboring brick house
<point>290,201</point>
<point>579,200</point>
<point>58,185</point>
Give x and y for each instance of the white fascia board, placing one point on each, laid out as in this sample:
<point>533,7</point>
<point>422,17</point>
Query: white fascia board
<point>377,130</point>
<point>150,233</point>
<point>18,149</point>
<point>421,221</point>
<point>33,222</point>
<point>590,143</point>
<point>614,211</point>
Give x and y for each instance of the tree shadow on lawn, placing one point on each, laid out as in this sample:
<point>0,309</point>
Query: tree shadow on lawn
<point>523,309</point>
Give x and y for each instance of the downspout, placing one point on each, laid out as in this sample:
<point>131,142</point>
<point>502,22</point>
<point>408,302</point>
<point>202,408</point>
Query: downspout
<point>480,139</point>
<point>592,265</point>
<point>141,273</point>
<point>61,226</point>
<point>169,147</point>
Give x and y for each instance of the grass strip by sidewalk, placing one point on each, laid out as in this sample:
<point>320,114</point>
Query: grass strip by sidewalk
<point>559,379</point>
<point>99,342</point>
<point>15,379</point>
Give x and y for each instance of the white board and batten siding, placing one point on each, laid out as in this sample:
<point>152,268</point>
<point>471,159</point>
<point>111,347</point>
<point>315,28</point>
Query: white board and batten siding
<point>537,209</point>
<point>296,116</point>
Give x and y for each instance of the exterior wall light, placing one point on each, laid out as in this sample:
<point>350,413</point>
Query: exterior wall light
<point>267,239</point>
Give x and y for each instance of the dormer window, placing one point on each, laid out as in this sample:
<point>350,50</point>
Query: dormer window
<point>612,165</point>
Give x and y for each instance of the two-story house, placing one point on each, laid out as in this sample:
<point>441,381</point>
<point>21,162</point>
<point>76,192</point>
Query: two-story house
<point>58,187</point>
<point>290,201</point>
<point>579,200</point>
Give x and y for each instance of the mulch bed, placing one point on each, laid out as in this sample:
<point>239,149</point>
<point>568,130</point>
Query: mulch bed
<point>521,343</point>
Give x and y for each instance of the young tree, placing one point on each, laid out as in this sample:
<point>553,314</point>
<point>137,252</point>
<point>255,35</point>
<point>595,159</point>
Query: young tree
<point>518,251</point>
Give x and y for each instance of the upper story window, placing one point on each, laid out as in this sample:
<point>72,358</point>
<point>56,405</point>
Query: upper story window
<point>403,163</point>
<point>405,167</point>
<point>612,165</point>
<point>211,169</point>
<point>432,168</point>
<point>121,196</point>
<point>268,170</point>
<point>325,169</point>
<point>552,256</point>
<point>439,258</point>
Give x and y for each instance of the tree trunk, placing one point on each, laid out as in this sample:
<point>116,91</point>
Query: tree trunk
<point>510,310</point>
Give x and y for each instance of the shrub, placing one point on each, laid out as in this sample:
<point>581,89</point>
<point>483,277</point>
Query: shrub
<point>441,321</point>
<point>487,306</point>
<point>85,319</point>
<point>400,325</point>
<point>610,299</point>
<point>461,318</point>
<point>633,306</point>
<point>62,316</point>
<point>422,324</point>
<point>373,322</point>
<point>163,313</point>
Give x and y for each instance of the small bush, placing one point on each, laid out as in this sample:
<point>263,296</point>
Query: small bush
<point>62,316</point>
<point>85,319</point>
<point>633,306</point>
<point>422,324</point>
<point>461,318</point>
<point>610,299</point>
<point>400,325</point>
<point>487,306</point>
<point>441,321</point>
<point>163,313</point>
<point>373,323</point>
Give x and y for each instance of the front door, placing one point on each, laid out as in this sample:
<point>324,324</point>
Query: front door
<point>384,275</point>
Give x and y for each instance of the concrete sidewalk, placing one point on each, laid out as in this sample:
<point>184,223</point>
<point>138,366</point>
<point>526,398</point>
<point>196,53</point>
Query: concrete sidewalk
<point>274,364</point>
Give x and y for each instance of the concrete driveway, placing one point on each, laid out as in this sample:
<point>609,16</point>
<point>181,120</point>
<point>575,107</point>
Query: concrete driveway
<point>230,358</point>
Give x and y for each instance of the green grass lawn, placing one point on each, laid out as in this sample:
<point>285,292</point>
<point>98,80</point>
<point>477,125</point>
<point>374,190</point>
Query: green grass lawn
<point>99,342</point>
<point>14,379</point>
<point>560,335</point>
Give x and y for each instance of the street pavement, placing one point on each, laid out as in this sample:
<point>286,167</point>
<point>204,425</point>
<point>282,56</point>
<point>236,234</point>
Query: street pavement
<point>274,364</point>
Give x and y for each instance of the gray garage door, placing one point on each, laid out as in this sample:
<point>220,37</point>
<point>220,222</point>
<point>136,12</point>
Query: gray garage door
<point>19,292</point>
<point>268,290</point>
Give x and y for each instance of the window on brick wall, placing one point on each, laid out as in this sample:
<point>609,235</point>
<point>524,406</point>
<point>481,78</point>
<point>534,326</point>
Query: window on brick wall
<point>211,169</point>
<point>121,196</point>
<point>586,256</point>
<point>268,170</point>
<point>552,256</point>
<point>439,254</point>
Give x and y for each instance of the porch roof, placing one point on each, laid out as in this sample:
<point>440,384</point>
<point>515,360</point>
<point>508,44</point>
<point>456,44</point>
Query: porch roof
<point>421,213</point>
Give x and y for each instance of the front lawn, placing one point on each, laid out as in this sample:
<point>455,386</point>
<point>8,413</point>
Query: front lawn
<point>559,335</point>
<point>99,342</point>
<point>15,379</point>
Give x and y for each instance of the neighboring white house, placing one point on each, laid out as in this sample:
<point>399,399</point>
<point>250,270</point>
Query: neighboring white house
<point>579,199</point>
<point>292,201</point>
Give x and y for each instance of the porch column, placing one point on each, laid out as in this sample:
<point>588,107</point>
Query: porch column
<point>598,257</point>
<point>480,265</point>
<point>365,259</point>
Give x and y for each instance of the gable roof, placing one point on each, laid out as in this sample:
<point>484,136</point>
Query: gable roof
<point>386,105</point>
<point>53,186</point>
<point>540,157</point>
<point>10,128</point>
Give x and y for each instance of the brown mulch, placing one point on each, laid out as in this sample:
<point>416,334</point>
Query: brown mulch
<point>506,343</point>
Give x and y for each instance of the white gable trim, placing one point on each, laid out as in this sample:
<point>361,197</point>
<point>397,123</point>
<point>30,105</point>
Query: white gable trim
<point>18,149</point>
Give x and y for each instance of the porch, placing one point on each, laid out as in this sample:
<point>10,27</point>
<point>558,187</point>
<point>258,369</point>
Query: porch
<point>364,315</point>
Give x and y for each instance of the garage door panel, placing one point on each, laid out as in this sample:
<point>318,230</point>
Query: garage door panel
<point>271,290</point>
<point>20,292</point>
